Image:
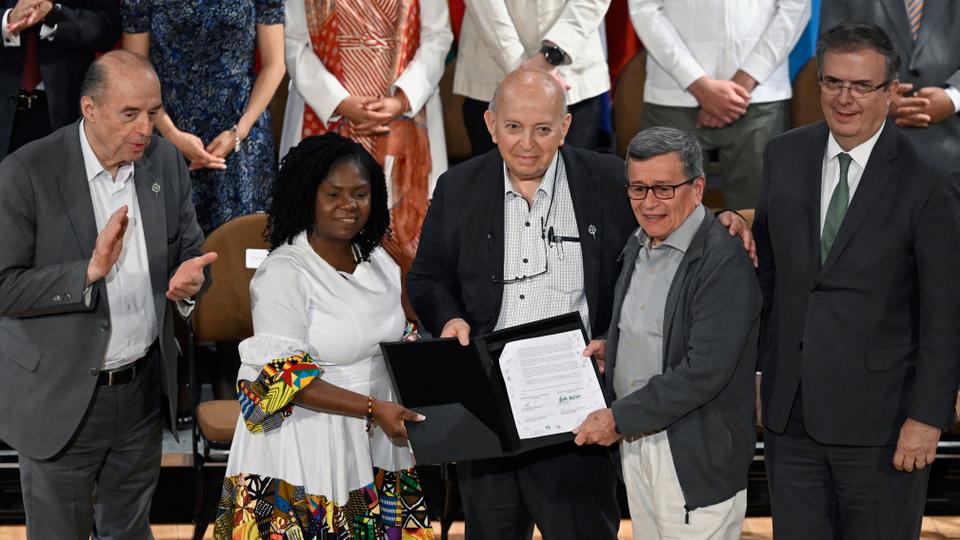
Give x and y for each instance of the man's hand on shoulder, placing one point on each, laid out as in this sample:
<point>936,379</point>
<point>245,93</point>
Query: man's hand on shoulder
<point>457,328</point>
<point>108,246</point>
<point>737,226</point>
<point>188,279</point>
<point>917,446</point>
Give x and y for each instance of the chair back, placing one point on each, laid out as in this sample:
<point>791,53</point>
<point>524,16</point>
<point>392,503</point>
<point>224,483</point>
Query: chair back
<point>628,101</point>
<point>223,313</point>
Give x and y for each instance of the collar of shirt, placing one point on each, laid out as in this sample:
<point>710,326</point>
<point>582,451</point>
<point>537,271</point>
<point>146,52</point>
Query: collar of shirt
<point>546,183</point>
<point>679,239</point>
<point>860,153</point>
<point>95,168</point>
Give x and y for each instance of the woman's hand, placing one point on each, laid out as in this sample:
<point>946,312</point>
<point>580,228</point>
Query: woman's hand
<point>390,417</point>
<point>364,121</point>
<point>192,148</point>
<point>223,144</point>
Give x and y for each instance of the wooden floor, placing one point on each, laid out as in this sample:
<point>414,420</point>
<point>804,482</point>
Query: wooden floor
<point>934,528</point>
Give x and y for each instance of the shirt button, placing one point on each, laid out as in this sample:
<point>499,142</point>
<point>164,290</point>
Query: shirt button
<point>94,372</point>
<point>525,260</point>
<point>522,296</point>
<point>527,224</point>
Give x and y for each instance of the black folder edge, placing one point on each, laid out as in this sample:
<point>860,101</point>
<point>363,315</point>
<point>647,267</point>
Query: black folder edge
<point>468,423</point>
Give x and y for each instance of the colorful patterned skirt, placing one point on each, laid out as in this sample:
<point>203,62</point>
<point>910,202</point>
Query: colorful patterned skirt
<point>255,507</point>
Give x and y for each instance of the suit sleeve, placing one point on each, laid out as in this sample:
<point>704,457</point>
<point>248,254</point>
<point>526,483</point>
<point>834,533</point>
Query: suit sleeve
<point>25,289</point>
<point>432,281</point>
<point>715,349</point>
<point>937,249</point>
<point>95,27</point>
<point>191,236</point>
<point>833,13</point>
<point>767,268</point>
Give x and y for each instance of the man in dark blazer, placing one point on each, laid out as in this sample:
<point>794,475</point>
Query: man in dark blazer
<point>927,103</point>
<point>458,281</point>
<point>859,343</point>
<point>57,39</point>
<point>99,232</point>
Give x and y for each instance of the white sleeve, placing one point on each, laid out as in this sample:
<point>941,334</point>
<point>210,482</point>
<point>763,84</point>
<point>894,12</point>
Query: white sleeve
<point>578,21</point>
<point>778,39</point>
<point>954,96</point>
<point>497,31</point>
<point>9,40</point>
<point>663,43</point>
<point>319,88</point>
<point>278,300</point>
<point>420,78</point>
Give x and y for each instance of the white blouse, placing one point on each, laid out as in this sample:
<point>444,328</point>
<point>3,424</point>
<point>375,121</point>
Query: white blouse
<point>302,304</point>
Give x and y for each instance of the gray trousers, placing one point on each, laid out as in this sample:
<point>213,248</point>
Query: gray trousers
<point>103,481</point>
<point>740,144</point>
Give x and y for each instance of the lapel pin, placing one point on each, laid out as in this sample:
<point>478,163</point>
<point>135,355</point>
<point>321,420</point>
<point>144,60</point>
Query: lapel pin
<point>156,188</point>
<point>592,229</point>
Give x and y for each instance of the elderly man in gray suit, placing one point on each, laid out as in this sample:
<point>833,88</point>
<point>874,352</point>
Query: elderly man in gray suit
<point>98,233</point>
<point>926,34</point>
<point>680,352</point>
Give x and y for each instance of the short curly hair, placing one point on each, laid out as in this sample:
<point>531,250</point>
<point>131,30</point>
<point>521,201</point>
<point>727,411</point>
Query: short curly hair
<point>295,191</point>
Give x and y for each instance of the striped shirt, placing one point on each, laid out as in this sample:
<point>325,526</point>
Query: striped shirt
<point>527,252</point>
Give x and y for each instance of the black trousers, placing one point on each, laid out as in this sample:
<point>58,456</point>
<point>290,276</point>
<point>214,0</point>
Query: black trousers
<point>821,491</point>
<point>568,491</point>
<point>585,129</point>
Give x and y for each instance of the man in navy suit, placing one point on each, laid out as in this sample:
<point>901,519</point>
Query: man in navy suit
<point>858,235</point>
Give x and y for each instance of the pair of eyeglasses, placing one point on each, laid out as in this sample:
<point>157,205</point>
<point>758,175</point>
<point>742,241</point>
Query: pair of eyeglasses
<point>833,87</point>
<point>524,277</point>
<point>638,192</point>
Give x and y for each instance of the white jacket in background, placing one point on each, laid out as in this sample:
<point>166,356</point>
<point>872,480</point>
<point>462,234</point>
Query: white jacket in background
<point>498,35</point>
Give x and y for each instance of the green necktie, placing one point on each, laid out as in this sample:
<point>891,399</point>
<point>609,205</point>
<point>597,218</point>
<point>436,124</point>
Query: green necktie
<point>836,209</point>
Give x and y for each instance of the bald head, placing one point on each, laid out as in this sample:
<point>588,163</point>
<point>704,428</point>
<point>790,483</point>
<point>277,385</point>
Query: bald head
<point>110,66</point>
<point>530,83</point>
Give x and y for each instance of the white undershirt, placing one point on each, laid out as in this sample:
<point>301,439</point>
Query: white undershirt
<point>133,319</point>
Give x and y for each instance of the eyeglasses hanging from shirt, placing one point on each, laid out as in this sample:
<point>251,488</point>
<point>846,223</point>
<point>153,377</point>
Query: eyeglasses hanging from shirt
<point>550,240</point>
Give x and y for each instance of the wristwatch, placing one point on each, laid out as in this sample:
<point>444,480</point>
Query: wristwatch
<point>553,54</point>
<point>53,16</point>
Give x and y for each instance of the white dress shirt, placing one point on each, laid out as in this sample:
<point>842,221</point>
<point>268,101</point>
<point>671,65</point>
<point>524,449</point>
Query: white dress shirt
<point>831,169</point>
<point>687,39</point>
<point>133,319</point>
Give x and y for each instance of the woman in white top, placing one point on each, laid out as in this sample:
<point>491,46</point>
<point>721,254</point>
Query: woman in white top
<point>320,449</point>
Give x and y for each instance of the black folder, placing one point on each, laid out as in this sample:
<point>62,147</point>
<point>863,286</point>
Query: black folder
<point>460,391</point>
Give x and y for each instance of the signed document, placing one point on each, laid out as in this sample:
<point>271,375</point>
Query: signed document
<point>551,386</point>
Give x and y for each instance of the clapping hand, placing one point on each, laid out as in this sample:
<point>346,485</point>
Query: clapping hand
<point>188,279</point>
<point>108,246</point>
<point>27,13</point>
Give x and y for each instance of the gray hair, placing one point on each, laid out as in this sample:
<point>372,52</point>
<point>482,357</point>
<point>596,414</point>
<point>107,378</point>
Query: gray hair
<point>96,78</point>
<point>658,141</point>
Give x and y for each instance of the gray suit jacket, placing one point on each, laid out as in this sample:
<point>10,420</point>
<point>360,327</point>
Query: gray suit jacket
<point>51,344</point>
<point>932,60</point>
<point>705,396</point>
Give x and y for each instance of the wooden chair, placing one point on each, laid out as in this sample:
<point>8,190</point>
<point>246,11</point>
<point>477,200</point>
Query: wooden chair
<point>222,314</point>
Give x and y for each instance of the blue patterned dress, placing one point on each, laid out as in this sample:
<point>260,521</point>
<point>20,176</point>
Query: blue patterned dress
<point>203,51</point>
